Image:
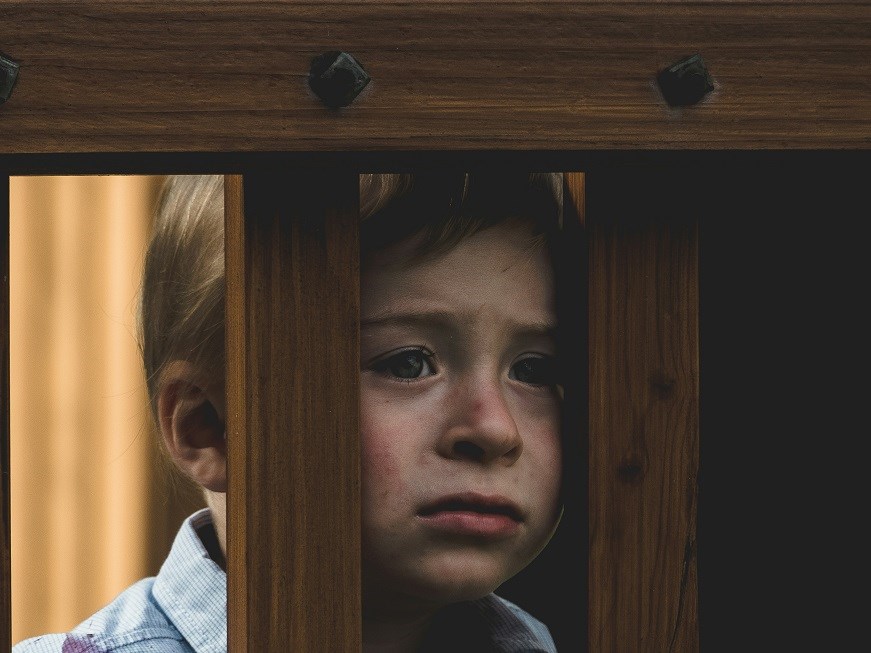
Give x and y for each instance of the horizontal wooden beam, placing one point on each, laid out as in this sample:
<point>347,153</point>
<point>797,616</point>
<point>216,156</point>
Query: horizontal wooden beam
<point>132,76</point>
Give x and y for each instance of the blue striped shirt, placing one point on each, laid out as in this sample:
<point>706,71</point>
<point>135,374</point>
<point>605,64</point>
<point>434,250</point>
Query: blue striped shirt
<point>184,610</point>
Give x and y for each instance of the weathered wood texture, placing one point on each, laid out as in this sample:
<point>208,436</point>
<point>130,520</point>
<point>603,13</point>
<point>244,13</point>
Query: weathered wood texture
<point>202,76</point>
<point>293,412</point>
<point>644,412</point>
<point>5,503</point>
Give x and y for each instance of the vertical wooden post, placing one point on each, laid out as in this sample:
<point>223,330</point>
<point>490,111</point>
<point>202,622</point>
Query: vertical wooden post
<point>644,410</point>
<point>5,505</point>
<point>293,411</point>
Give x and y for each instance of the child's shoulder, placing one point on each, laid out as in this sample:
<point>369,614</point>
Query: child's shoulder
<point>181,610</point>
<point>132,623</point>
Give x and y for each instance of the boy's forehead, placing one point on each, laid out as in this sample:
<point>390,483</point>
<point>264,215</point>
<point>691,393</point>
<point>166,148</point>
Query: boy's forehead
<point>492,271</point>
<point>424,245</point>
<point>509,242</point>
<point>452,319</point>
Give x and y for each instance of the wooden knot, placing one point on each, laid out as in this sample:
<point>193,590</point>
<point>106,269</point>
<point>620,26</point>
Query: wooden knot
<point>662,385</point>
<point>631,469</point>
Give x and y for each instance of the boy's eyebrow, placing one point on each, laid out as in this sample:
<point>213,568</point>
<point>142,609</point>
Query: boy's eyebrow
<point>447,321</point>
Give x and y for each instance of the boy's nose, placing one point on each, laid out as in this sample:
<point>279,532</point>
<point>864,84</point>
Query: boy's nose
<point>481,427</point>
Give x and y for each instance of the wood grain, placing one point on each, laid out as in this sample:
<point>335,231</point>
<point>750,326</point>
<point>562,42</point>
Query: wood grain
<point>200,76</point>
<point>5,501</point>
<point>644,410</point>
<point>293,412</point>
<point>576,194</point>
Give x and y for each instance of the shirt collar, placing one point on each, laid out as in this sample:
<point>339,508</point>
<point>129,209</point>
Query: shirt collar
<point>512,630</point>
<point>191,589</point>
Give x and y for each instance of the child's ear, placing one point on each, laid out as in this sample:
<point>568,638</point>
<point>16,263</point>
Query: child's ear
<point>191,418</point>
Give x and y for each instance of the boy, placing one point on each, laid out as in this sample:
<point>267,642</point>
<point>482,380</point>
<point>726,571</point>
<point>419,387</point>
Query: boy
<point>460,406</point>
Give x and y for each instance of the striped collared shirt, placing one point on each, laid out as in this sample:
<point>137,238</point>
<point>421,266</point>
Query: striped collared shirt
<point>184,610</point>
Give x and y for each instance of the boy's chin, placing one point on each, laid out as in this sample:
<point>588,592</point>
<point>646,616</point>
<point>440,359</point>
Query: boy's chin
<point>420,598</point>
<point>441,582</point>
<point>443,591</point>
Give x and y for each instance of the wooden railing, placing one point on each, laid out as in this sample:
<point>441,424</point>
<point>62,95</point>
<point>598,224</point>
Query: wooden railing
<point>124,86</point>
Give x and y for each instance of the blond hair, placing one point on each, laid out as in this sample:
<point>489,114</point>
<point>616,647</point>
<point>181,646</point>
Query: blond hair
<point>181,307</point>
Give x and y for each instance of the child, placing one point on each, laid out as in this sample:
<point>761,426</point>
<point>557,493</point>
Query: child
<point>460,414</point>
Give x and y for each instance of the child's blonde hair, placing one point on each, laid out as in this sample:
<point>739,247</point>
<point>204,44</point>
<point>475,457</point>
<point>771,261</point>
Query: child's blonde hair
<point>181,308</point>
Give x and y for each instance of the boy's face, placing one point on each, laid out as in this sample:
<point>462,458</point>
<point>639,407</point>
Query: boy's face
<point>460,418</point>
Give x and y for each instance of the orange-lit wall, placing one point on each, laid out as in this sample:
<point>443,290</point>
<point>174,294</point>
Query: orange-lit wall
<point>91,512</point>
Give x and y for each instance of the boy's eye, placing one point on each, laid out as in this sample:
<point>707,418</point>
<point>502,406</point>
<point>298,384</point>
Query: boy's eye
<point>407,364</point>
<point>535,370</point>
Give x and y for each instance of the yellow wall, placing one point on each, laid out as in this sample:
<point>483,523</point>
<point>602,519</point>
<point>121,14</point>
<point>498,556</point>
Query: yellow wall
<point>91,512</point>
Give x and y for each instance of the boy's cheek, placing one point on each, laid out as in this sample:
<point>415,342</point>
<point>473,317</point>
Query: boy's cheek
<point>387,448</point>
<point>381,476</point>
<point>542,477</point>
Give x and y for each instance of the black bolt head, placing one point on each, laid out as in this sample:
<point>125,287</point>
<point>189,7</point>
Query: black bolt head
<point>337,78</point>
<point>8,76</point>
<point>685,82</point>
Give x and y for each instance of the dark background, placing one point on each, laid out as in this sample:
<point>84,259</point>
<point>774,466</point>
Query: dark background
<point>784,390</point>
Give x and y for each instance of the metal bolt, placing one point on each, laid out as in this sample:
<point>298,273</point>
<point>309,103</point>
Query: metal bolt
<point>337,78</point>
<point>685,82</point>
<point>8,76</point>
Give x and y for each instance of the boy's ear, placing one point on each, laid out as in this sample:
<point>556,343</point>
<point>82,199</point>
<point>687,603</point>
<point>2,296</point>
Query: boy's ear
<point>191,418</point>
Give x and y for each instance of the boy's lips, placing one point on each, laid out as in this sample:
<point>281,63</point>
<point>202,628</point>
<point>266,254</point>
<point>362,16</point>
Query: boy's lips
<point>473,502</point>
<point>473,514</point>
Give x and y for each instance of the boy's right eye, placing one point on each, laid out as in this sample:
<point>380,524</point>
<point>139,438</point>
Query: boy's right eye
<point>406,365</point>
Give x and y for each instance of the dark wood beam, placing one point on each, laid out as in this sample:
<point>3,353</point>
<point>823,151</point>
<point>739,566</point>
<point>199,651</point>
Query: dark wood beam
<point>293,412</point>
<point>644,410</point>
<point>199,76</point>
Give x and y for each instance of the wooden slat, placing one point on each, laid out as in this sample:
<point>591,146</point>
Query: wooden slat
<point>5,505</point>
<point>293,412</point>
<point>575,189</point>
<point>201,76</point>
<point>644,410</point>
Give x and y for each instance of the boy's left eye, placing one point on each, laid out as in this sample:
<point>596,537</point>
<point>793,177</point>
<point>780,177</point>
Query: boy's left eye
<point>535,370</point>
